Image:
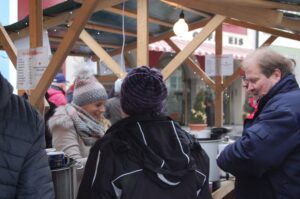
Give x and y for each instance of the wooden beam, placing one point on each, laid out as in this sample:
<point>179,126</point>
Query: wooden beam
<point>265,17</point>
<point>193,65</point>
<point>79,42</point>
<point>103,4</point>
<point>203,14</point>
<point>224,190</point>
<point>63,18</point>
<point>85,11</point>
<point>271,31</point>
<point>94,26</point>
<point>36,39</point>
<point>106,78</point>
<point>192,46</point>
<point>260,4</point>
<point>35,23</point>
<point>132,14</point>
<point>143,33</point>
<point>219,78</point>
<point>291,24</point>
<point>269,41</point>
<point>8,45</point>
<point>101,53</point>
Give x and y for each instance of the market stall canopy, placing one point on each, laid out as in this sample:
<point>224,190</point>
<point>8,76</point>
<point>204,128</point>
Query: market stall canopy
<point>277,17</point>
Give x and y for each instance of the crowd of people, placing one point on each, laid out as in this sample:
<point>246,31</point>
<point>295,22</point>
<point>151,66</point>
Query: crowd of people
<point>129,147</point>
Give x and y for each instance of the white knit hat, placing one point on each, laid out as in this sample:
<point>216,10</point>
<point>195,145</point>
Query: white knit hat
<point>87,89</point>
<point>118,85</point>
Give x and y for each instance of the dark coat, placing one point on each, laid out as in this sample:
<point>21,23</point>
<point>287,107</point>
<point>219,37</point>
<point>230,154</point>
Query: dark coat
<point>24,170</point>
<point>146,157</point>
<point>266,159</point>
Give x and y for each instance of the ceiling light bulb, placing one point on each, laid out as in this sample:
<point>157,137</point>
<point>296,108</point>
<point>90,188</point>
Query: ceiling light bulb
<point>180,28</point>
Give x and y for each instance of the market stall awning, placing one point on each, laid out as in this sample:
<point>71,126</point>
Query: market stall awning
<point>204,49</point>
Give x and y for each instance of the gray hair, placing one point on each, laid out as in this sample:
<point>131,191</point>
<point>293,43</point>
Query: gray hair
<point>268,61</point>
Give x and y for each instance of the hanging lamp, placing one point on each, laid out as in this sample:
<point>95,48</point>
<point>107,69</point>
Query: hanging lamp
<point>180,28</point>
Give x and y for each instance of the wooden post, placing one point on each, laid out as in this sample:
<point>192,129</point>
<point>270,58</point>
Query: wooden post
<point>8,45</point>
<point>142,30</point>
<point>219,78</point>
<point>269,41</point>
<point>36,36</point>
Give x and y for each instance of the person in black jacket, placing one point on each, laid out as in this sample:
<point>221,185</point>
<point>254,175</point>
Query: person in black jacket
<point>24,169</point>
<point>145,155</point>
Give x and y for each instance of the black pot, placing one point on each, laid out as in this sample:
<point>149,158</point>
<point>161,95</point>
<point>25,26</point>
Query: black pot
<point>217,133</point>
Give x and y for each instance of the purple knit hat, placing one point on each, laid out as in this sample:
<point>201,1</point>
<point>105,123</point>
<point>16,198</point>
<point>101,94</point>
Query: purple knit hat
<point>143,91</point>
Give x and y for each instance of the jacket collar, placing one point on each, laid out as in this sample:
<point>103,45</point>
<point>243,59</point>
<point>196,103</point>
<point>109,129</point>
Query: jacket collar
<point>286,84</point>
<point>137,118</point>
<point>5,91</point>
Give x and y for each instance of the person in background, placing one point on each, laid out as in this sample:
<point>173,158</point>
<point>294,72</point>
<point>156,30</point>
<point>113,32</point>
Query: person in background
<point>24,169</point>
<point>76,126</point>
<point>55,96</point>
<point>266,159</point>
<point>145,155</point>
<point>113,105</point>
<point>69,92</point>
<point>210,112</point>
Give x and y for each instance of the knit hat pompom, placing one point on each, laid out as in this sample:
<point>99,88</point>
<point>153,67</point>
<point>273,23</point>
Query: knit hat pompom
<point>87,88</point>
<point>143,91</point>
<point>83,71</point>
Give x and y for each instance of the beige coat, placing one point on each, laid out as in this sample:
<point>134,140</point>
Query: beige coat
<point>65,138</point>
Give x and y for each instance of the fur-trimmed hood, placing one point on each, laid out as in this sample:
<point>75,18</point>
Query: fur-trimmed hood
<point>60,118</point>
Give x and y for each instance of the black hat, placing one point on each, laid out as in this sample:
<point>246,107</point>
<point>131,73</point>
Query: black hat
<point>143,91</point>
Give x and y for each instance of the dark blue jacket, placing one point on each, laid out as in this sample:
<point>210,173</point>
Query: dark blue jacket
<point>145,157</point>
<point>266,159</point>
<point>24,170</point>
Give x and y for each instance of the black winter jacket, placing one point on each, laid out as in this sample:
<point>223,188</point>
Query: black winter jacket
<point>24,170</point>
<point>146,157</point>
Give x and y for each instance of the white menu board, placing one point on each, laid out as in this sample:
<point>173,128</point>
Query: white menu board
<point>31,64</point>
<point>210,65</point>
<point>227,65</point>
<point>220,65</point>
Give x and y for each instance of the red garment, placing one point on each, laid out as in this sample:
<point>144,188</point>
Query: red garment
<point>253,103</point>
<point>56,97</point>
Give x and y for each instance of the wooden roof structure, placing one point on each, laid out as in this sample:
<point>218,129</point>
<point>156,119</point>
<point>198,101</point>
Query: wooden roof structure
<point>94,28</point>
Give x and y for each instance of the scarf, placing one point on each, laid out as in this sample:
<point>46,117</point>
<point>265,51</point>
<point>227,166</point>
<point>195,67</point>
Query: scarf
<point>86,126</point>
